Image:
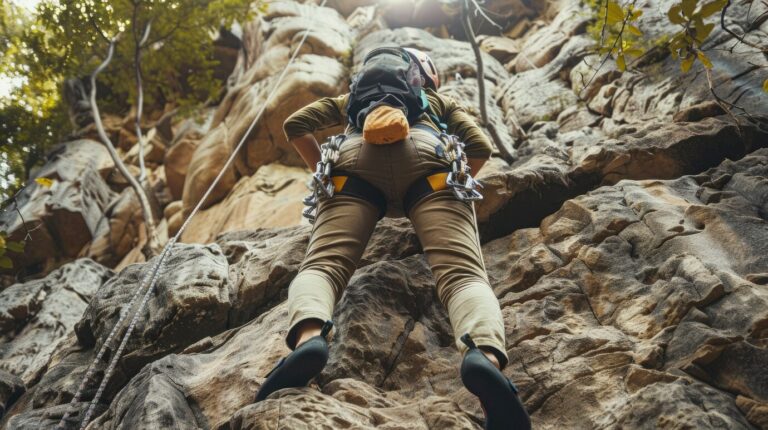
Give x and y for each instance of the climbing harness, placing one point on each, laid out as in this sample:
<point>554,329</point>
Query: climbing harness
<point>149,281</point>
<point>457,177</point>
<point>326,183</point>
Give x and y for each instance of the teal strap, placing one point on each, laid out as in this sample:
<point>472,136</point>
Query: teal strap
<point>428,109</point>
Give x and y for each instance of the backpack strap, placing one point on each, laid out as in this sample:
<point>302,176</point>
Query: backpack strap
<point>428,110</point>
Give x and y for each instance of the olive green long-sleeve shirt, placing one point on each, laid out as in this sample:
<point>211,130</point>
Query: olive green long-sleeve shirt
<point>332,111</point>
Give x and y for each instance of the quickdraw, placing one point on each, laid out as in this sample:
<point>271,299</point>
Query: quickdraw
<point>322,186</point>
<point>459,180</point>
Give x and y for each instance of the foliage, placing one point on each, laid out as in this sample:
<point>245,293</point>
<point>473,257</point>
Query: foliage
<point>69,38</point>
<point>617,32</point>
<point>686,44</point>
<point>7,246</point>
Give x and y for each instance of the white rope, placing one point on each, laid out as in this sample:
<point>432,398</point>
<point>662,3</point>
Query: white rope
<point>159,262</point>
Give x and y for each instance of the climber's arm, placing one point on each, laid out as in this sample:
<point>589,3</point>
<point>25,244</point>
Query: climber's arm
<point>475,164</point>
<point>478,147</point>
<point>324,113</point>
<point>308,148</point>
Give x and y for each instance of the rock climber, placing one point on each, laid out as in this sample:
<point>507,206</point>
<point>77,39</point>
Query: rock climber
<point>392,163</point>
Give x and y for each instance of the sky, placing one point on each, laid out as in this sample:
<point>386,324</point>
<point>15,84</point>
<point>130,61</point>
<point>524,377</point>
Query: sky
<point>26,4</point>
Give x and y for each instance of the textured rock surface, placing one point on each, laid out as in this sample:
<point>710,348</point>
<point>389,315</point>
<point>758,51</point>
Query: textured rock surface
<point>271,197</point>
<point>317,72</point>
<point>35,317</point>
<point>629,258</point>
<point>628,306</point>
<point>63,218</point>
<point>11,387</point>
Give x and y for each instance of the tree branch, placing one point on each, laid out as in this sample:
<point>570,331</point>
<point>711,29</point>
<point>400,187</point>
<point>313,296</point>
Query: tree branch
<point>505,153</point>
<point>152,246</point>
<point>138,44</point>
<point>732,33</point>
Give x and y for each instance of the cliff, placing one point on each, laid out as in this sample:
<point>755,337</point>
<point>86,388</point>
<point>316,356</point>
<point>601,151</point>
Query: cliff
<point>627,242</point>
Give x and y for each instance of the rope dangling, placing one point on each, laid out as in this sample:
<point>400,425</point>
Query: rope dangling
<point>149,282</point>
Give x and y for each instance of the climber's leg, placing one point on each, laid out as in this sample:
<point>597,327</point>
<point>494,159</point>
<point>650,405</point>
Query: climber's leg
<point>342,229</point>
<point>445,227</point>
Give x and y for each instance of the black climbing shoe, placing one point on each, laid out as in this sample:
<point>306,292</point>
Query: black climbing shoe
<point>299,367</point>
<point>503,409</point>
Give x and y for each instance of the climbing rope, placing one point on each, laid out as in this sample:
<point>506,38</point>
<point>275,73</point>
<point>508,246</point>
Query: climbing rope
<point>150,280</point>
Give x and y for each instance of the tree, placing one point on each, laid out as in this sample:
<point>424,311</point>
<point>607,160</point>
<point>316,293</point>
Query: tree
<point>69,39</point>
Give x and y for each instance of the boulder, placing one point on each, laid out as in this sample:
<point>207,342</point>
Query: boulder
<point>316,72</point>
<point>176,163</point>
<point>272,197</point>
<point>36,316</point>
<point>59,221</point>
<point>118,230</point>
<point>11,387</point>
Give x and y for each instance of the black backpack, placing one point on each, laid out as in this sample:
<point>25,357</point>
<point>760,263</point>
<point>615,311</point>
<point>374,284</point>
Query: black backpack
<point>388,76</point>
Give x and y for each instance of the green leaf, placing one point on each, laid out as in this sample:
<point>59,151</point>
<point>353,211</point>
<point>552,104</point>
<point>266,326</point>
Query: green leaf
<point>17,247</point>
<point>6,263</point>
<point>765,86</point>
<point>634,52</point>
<point>712,8</point>
<point>704,59</point>
<point>615,14</point>
<point>687,62</point>
<point>703,31</point>
<point>674,15</point>
<point>688,6</point>
<point>622,65</point>
<point>635,14</point>
<point>676,43</point>
<point>634,30</point>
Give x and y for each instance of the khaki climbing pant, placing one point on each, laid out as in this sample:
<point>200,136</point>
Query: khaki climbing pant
<point>445,227</point>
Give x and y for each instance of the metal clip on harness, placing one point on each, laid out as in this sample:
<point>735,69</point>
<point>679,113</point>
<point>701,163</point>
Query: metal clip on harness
<point>464,186</point>
<point>322,187</point>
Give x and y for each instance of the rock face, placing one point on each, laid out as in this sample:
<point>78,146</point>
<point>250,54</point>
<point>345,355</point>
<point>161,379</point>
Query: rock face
<point>271,197</point>
<point>626,240</point>
<point>316,73</point>
<point>36,316</point>
<point>60,220</point>
<point>628,305</point>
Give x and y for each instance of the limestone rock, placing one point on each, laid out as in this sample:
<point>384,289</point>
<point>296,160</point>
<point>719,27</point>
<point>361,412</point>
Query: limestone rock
<point>11,387</point>
<point>118,230</point>
<point>176,163</point>
<point>317,72</point>
<point>272,197</point>
<point>63,218</point>
<point>542,46</point>
<point>191,302</point>
<point>501,48</point>
<point>36,316</point>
